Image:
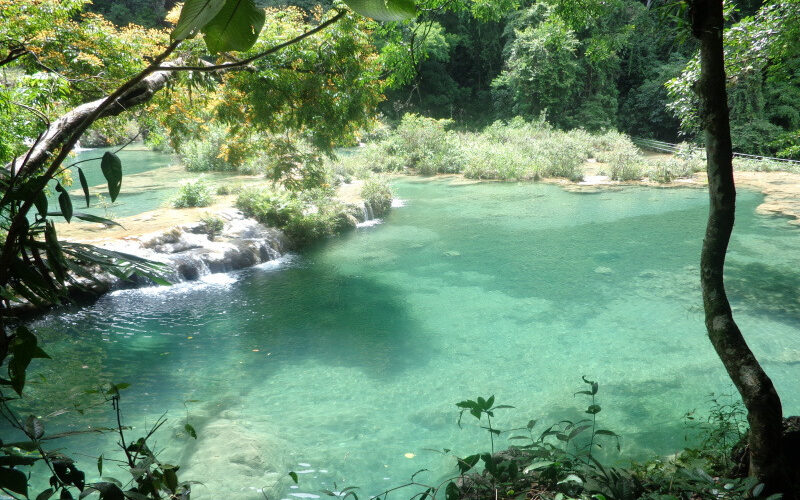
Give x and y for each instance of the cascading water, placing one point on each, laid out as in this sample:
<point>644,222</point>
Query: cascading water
<point>368,213</point>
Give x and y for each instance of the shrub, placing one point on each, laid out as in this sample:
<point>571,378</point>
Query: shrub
<point>624,159</point>
<point>561,155</point>
<point>269,207</point>
<point>304,217</point>
<point>193,193</point>
<point>212,225</point>
<point>212,153</point>
<point>425,145</point>
<point>377,193</point>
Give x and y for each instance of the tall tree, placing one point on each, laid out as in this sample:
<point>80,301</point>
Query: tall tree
<point>764,411</point>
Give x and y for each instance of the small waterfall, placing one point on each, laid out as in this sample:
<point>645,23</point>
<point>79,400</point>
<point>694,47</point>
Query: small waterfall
<point>189,267</point>
<point>368,213</point>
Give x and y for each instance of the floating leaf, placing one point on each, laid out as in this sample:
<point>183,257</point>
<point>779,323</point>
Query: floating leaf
<point>292,474</point>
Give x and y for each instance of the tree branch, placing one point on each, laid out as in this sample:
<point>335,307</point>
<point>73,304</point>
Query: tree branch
<point>244,62</point>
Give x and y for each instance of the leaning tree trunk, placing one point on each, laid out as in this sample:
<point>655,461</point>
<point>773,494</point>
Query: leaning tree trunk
<point>764,412</point>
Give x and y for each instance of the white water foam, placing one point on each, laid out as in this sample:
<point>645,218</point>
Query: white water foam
<point>282,262</point>
<point>398,203</point>
<point>370,223</point>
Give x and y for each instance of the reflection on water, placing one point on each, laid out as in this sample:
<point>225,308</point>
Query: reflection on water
<point>343,362</point>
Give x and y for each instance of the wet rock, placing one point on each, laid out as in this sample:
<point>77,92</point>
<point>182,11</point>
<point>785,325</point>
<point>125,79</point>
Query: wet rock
<point>191,253</point>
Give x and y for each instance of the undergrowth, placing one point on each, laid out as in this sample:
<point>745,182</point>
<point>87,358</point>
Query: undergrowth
<point>563,461</point>
<point>304,217</point>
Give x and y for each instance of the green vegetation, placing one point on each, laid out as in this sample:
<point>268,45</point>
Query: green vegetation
<point>563,461</point>
<point>378,194</point>
<point>305,217</point>
<point>517,150</point>
<point>559,80</point>
<point>212,225</point>
<point>194,193</point>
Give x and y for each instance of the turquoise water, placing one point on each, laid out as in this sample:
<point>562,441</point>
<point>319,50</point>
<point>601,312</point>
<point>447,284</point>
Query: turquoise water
<point>150,180</point>
<point>344,363</point>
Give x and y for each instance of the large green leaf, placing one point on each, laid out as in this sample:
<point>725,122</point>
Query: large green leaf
<point>14,480</point>
<point>384,10</point>
<point>84,185</point>
<point>64,202</point>
<point>111,166</point>
<point>235,27</point>
<point>195,14</point>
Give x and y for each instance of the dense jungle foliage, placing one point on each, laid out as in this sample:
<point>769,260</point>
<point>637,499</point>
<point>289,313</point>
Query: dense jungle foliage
<point>491,89</point>
<point>612,65</point>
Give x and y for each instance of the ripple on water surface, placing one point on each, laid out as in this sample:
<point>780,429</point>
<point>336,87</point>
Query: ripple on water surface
<point>344,363</point>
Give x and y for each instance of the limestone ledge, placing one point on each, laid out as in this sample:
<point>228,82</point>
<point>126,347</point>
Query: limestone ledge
<point>189,252</point>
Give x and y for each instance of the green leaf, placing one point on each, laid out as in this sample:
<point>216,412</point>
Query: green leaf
<point>577,431</point>
<point>41,204</point>
<point>14,480</point>
<point>111,166</point>
<point>46,494</point>
<point>593,409</point>
<point>592,383</point>
<point>190,430</point>
<point>235,27</point>
<point>540,464</point>
<point>605,432</point>
<point>34,427</point>
<point>55,257</point>
<point>195,14</point>
<point>171,478</point>
<point>452,492</point>
<point>100,465</point>
<point>465,464</point>
<point>467,404</point>
<point>84,185</point>
<point>384,10</point>
<point>489,402</point>
<point>94,218</point>
<point>292,474</point>
<point>64,202</point>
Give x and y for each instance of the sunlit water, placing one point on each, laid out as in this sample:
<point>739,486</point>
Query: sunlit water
<point>344,363</point>
<point>150,180</point>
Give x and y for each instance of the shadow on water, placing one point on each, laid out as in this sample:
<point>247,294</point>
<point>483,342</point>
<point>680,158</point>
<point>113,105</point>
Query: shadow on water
<point>765,290</point>
<point>317,313</point>
<point>190,341</point>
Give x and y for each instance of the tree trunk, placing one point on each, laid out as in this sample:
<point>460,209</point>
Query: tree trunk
<point>764,412</point>
<point>60,130</point>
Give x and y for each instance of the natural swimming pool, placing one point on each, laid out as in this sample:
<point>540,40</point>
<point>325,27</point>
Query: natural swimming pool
<point>350,357</point>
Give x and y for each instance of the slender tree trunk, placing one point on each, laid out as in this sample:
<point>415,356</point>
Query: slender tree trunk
<point>763,405</point>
